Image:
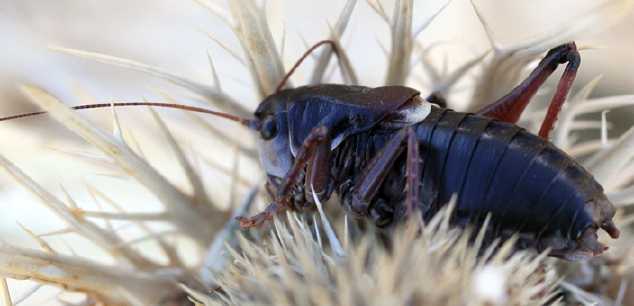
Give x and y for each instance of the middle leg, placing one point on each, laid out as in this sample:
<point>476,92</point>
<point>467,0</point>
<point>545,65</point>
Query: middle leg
<point>368,184</point>
<point>413,170</point>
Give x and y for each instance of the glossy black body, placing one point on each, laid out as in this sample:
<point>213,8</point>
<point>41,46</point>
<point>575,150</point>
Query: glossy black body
<point>346,109</point>
<point>523,181</point>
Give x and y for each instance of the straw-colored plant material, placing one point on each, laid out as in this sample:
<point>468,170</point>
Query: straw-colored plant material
<point>438,266</point>
<point>302,260</point>
<point>401,43</point>
<point>506,64</point>
<point>6,295</point>
<point>113,285</point>
<point>338,30</point>
<point>257,42</point>
<point>179,207</point>
<point>213,94</point>
<point>74,219</point>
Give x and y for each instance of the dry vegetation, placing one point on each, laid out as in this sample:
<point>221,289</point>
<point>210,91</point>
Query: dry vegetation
<point>302,260</point>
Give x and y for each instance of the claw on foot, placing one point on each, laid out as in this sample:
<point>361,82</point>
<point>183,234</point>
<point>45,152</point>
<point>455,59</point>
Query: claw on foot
<point>262,217</point>
<point>611,229</point>
<point>588,242</point>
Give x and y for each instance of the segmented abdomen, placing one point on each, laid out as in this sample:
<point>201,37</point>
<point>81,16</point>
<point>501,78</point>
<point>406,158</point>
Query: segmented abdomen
<point>523,181</point>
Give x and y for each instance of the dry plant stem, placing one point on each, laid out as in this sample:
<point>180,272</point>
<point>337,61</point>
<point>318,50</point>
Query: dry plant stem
<point>227,49</point>
<point>40,241</point>
<point>90,158</point>
<point>168,250</point>
<point>379,10</point>
<point>566,31</point>
<point>428,21</point>
<point>402,43</point>
<point>123,215</point>
<point>579,105</point>
<point>217,134</point>
<point>622,197</point>
<point>500,73</point>
<point>335,244</point>
<point>443,84</point>
<point>216,258</point>
<point>503,70</point>
<point>6,295</point>
<point>28,294</point>
<point>214,95</point>
<point>347,71</point>
<point>339,29</point>
<point>257,42</point>
<point>216,10</point>
<point>112,285</point>
<point>188,217</point>
<point>200,194</point>
<point>106,240</point>
<point>199,298</point>
<point>243,181</point>
<point>608,162</point>
<point>214,72</point>
<point>403,40</point>
<point>584,21</point>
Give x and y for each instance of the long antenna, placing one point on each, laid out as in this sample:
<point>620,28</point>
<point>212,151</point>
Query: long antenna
<point>332,44</point>
<point>247,122</point>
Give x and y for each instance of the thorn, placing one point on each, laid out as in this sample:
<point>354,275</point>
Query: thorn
<point>43,244</point>
<point>487,28</point>
<point>604,128</point>
<point>330,233</point>
<point>379,10</point>
<point>428,21</point>
<point>229,51</point>
<point>27,294</point>
<point>215,257</point>
<point>282,46</point>
<point>6,294</point>
<point>214,73</point>
<point>116,125</point>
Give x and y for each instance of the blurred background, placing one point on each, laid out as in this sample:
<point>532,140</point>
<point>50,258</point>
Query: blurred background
<point>181,36</point>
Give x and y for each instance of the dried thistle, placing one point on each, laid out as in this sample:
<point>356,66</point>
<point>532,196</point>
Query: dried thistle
<point>438,266</point>
<point>295,265</point>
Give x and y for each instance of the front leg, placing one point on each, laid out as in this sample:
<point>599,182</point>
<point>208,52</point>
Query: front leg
<point>315,142</point>
<point>318,178</point>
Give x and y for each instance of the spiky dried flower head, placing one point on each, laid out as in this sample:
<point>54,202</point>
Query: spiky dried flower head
<point>302,262</point>
<point>432,265</point>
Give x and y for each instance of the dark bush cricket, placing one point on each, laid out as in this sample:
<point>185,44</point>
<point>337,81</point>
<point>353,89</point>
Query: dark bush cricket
<point>388,153</point>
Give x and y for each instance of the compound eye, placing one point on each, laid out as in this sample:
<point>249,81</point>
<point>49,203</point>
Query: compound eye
<point>269,128</point>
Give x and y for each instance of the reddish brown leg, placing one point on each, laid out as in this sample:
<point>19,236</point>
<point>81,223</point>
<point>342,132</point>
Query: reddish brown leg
<point>510,107</point>
<point>318,172</point>
<point>317,138</point>
<point>565,83</point>
<point>374,174</point>
<point>414,165</point>
<point>258,219</point>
